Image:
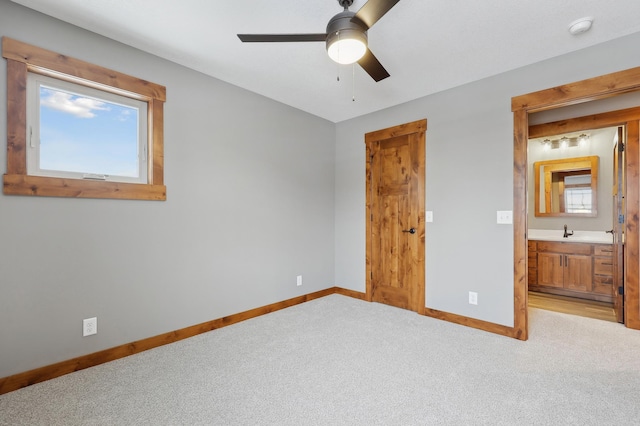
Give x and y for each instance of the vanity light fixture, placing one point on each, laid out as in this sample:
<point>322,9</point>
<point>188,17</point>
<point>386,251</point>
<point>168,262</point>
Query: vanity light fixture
<point>582,139</point>
<point>565,142</point>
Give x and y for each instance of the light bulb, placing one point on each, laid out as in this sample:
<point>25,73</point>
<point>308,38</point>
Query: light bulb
<point>564,142</point>
<point>347,51</point>
<point>582,139</point>
<point>347,46</point>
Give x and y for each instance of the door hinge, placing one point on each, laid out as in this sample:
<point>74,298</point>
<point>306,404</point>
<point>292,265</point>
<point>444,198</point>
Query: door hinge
<point>621,147</point>
<point>620,218</point>
<point>621,291</point>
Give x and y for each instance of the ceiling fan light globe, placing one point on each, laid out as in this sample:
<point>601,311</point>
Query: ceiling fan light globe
<point>347,51</point>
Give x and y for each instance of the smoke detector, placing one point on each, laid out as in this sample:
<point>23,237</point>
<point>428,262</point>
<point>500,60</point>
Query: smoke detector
<point>580,26</point>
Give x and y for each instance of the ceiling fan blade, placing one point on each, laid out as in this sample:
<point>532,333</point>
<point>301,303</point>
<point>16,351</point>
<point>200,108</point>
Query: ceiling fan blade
<point>373,10</point>
<point>373,67</point>
<point>280,38</point>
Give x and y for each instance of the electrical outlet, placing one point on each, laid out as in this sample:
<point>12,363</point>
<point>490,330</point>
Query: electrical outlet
<point>89,326</point>
<point>473,298</point>
<point>299,280</point>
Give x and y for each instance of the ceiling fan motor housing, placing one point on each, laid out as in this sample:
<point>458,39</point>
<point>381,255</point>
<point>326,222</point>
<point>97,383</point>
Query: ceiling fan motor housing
<point>343,26</point>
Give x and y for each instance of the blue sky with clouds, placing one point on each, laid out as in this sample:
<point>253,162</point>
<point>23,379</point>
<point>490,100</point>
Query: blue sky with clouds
<point>87,135</point>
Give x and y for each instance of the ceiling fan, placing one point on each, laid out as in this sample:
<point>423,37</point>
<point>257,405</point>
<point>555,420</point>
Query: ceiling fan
<point>346,36</point>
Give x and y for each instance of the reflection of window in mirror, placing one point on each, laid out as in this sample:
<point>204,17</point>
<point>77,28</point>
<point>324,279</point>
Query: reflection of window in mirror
<point>566,186</point>
<point>577,192</point>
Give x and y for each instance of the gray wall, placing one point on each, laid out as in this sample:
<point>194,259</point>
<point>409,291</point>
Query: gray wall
<point>469,171</point>
<point>249,206</point>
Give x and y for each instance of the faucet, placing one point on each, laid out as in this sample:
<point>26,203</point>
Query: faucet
<point>566,234</point>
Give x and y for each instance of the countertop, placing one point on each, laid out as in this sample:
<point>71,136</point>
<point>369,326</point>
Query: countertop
<point>595,237</point>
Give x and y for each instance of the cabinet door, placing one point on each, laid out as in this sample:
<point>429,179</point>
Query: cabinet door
<point>532,261</point>
<point>550,270</point>
<point>603,275</point>
<point>578,274</point>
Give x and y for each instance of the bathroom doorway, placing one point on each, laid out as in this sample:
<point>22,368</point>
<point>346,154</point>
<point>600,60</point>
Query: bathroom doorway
<point>595,92</point>
<point>616,88</point>
<point>575,195</point>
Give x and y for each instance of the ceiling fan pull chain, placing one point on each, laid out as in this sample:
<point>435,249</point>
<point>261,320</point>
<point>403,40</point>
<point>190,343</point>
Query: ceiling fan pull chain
<point>337,63</point>
<point>353,76</point>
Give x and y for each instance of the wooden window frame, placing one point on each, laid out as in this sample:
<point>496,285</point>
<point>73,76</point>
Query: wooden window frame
<point>23,58</point>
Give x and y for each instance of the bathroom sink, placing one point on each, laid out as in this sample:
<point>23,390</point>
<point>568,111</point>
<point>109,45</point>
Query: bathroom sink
<point>596,237</point>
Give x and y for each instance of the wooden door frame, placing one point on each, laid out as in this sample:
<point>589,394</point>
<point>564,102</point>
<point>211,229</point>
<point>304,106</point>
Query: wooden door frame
<point>418,178</point>
<point>601,87</point>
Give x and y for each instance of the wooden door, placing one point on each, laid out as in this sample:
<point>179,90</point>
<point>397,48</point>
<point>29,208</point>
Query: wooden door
<point>578,272</point>
<point>550,269</point>
<point>395,215</point>
<point>618,226</point>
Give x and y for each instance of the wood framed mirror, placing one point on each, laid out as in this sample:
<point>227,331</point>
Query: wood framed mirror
<point>566,187</point>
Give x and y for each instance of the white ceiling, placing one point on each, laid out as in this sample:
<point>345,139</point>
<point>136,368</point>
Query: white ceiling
<point>427,46</point>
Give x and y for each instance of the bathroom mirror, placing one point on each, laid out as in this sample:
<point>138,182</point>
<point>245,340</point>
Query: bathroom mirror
<point>566,187</point>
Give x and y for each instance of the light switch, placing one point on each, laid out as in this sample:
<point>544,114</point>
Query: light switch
<point>505,217</point>
<point>428,216</point>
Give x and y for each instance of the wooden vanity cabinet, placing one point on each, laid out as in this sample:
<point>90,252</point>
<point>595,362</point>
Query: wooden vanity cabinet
<point>532,262</point>
<point>571,269</point>
<point>603,269</point>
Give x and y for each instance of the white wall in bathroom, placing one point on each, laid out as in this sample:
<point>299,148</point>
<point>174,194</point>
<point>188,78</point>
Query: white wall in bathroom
<point>601,144</point>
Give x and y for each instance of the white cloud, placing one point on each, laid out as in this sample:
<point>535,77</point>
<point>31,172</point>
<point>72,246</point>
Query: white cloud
<point>124,115</point>
<point>72,104</point>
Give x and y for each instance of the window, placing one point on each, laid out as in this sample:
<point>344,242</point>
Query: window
<point>577,200</point>
<point>577,192</point>
<point>79,132</point>
<point>76,129</point>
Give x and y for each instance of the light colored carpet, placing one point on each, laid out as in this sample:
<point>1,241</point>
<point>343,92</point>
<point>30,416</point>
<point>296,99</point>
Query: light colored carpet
<point>341,361</point>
